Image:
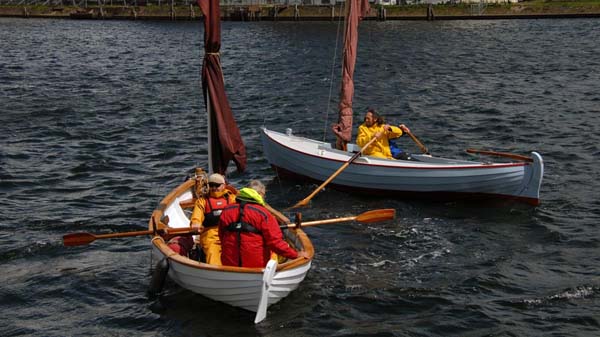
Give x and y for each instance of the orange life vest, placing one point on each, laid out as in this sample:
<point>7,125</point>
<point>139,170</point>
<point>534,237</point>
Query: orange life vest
<point>213,209</point>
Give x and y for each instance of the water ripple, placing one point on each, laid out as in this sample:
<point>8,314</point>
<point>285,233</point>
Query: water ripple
<point>98,121</point>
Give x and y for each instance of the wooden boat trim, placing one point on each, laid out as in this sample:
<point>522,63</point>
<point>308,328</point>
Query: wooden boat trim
<point>189,203</point>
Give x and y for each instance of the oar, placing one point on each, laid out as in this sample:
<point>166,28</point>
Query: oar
<point>80,239</point>
<point>501,154</point>
<point>419,144</point>
<point>366,217</point>
<point>278,215</point>
<point>305,201</point>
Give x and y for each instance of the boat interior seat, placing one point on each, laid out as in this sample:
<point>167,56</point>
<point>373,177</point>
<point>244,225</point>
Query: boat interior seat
<point>352,148</point>
<point>177,216</point>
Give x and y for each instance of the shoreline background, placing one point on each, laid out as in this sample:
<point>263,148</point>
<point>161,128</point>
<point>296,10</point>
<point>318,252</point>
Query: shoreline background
<point>478,11</point>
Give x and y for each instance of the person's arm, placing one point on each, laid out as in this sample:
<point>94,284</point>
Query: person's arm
<point>197,218</point>
<point>274,239</point>
<point>394,131</point>
<point>363,136</point>
<point>404,128</point>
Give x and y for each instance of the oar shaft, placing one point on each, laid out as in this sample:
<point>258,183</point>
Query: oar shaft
<point>419,144</point>
<point>375,215</point>
<point>502,154</point>
<point>122,235</point>
<point>305,201</point>
<point>78,239</point>
<point>333,176</point>
<point>321,222</point>
<point>171,231</point>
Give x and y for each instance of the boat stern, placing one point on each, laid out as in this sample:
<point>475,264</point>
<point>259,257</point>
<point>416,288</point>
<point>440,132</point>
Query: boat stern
<point>532,182</point>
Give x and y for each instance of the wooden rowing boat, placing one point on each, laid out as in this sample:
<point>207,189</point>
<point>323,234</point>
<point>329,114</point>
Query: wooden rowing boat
<point>252,289</point>
<point>425,176</point>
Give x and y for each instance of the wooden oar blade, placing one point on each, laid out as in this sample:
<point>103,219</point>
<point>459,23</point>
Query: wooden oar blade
<point>377,215</point>
<point>299,204</point>
<point>78,239</point>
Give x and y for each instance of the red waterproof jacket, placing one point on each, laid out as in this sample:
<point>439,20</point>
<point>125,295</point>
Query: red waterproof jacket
<point>255,248</point>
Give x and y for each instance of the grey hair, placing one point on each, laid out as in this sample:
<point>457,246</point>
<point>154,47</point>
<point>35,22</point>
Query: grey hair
<point>257,186</point>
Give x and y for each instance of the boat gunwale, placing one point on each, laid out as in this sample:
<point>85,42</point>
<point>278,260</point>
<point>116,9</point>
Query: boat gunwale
<point>475,165</point>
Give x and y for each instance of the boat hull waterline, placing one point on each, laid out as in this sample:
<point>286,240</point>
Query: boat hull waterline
<point>426,176</point>
<point>241,287</point>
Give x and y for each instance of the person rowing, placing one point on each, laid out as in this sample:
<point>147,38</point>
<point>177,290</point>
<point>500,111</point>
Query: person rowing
<point>385,146</point>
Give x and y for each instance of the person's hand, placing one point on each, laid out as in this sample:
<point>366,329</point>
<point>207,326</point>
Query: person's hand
<point>303,254</point>
<point>404,128</point>
<point>197,227</point>
<point>378,134</point>
<point>387,128</point>
<point>337,129</point>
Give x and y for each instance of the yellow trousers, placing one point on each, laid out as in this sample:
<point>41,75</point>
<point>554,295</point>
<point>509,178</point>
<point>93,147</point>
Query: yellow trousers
<point>211,245</point>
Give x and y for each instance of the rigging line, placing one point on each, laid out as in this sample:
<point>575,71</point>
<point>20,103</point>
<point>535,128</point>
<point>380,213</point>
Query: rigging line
<point>167,128</point>
<point>337,39</point>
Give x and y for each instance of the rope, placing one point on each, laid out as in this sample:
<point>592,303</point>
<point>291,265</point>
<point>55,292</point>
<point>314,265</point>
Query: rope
<point>337,39</point>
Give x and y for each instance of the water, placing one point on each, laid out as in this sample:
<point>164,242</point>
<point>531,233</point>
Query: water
<point>99,120</point>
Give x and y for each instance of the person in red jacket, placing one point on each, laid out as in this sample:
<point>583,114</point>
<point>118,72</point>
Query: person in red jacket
<point>249,233</point>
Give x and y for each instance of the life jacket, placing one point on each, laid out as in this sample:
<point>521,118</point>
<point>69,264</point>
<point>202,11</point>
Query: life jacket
<point>213,209</point>
<point>240,226</point>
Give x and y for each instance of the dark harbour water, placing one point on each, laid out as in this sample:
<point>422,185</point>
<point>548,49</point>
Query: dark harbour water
<point>99,120</point>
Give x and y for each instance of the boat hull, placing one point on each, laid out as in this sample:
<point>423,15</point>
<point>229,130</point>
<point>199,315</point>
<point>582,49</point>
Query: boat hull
<point>239,287</point>
<point>426,176</point>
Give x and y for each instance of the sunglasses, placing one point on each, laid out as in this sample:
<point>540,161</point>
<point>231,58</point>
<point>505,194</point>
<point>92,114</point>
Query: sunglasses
<point>214,184</point>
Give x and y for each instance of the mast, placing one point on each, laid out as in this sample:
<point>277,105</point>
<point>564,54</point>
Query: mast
<point>209,133</point>
<point>224,139</point>
<point>355,11</point>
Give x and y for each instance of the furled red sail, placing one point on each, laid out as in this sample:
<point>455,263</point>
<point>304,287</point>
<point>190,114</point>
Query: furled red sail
<point>227,143</point>
<point>356,10</point>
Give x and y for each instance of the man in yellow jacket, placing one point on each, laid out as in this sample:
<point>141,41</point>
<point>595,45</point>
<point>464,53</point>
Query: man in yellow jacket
<point>206,215</point>
<point>374,126</point>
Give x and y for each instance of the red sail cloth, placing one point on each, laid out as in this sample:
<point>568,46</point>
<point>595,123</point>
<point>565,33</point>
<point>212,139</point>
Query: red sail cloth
<point>357,9</point>
<point>227,143</point>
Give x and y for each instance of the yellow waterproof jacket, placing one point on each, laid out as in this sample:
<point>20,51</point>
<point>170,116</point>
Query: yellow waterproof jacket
<point>381,147</point>
<point>200,206</point>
